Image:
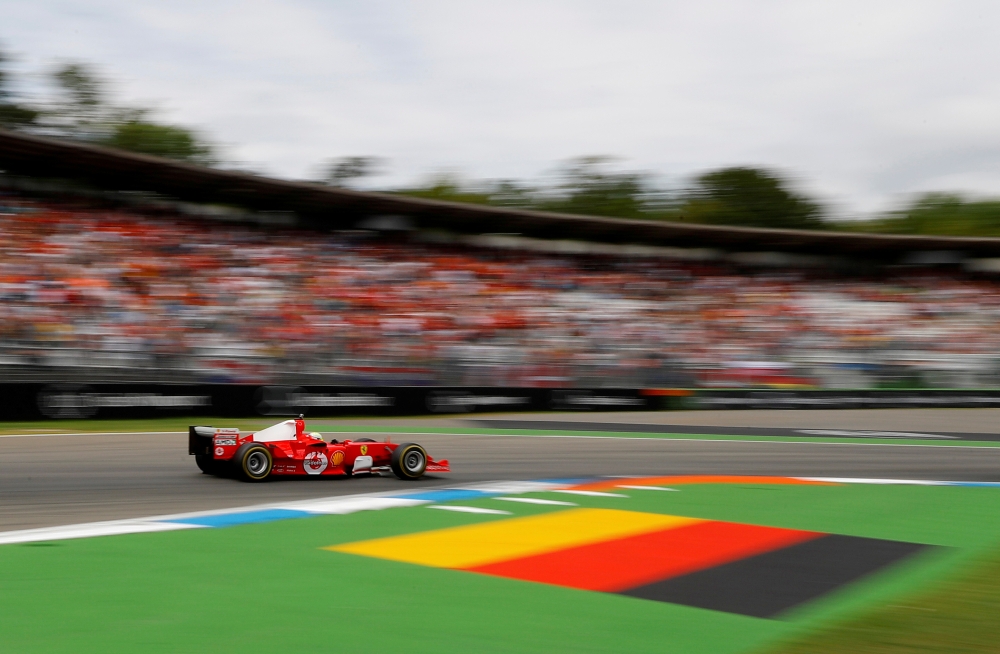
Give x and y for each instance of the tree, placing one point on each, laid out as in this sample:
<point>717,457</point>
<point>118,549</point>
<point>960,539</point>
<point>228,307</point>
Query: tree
<point>588,187</point>
<point>12,114</point>
<point>160,140</point>
<point>343,171</point>
<point>748,197</point>
<point>84,112</point>
<point>448,188</point>
<point>937,214</point>
<point>81,110</point>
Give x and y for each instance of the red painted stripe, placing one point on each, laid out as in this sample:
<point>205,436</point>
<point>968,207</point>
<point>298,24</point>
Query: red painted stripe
<point>620,564</point>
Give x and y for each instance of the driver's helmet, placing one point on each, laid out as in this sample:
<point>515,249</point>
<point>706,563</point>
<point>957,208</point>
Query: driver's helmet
<point>316,435</point>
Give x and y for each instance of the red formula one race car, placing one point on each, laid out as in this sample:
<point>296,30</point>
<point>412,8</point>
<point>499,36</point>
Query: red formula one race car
<point>285,449</point>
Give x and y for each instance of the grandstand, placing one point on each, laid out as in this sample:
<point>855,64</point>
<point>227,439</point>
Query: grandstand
<point>97,285</point>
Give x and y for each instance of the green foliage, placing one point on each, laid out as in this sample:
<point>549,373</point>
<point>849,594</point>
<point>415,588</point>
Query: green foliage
<point>585,187</point>
<point>448,189</point>
<point>589,188</point>
<point>748,197</point>
<point>341,172</point>
<point>12,114</point>
<point>937,214</point>
<point>83,112</point>
<point>732,196</point>
<point>159,140</point>
<point>83,90</point>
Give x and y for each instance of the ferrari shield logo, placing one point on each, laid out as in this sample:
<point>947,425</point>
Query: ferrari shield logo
<point>364,450</point>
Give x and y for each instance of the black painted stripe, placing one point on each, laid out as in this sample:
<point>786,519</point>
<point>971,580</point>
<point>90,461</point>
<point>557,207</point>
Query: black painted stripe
<point>764,586</point>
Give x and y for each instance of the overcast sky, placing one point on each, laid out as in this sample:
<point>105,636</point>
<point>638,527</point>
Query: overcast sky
<point>864,103</point>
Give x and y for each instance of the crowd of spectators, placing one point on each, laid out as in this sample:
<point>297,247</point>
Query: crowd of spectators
<point>163,297</point>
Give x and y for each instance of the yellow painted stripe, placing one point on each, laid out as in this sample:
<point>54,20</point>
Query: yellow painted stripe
<point>490,542</point>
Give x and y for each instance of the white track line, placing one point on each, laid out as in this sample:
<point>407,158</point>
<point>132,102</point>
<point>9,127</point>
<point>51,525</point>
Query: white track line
<point>901,482</point>
<point>89,530</point>
<point>589,493</point>
<point>656,488</point>
<point>467,509</point>
<point>335,505</point>
<point>535,500</point>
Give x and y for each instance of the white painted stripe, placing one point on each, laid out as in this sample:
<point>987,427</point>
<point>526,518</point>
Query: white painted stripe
<point>535,500</point>
<point>656,488</point>
<point>872,434</point>
<point>326,505</point>
<point>514,486</point>
<point>467,509</point>
<point>859,480</point>
<point>113,528</point>
<point>590,493</point>
<point>345,505</point>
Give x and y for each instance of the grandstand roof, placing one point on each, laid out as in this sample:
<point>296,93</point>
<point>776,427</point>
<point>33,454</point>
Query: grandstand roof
<point>104,168</point>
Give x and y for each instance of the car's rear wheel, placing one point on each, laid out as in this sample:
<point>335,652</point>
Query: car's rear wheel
<point>408,461</point>
<point>253,462</point>
<point>210,466</point>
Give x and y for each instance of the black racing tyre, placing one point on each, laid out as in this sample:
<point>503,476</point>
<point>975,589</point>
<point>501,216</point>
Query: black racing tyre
<point>408,461</point>
<point>208,465</point>
<point>365,440</point>
<point>253,462</point>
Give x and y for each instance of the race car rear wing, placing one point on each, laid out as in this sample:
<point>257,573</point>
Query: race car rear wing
<point>200,439</point>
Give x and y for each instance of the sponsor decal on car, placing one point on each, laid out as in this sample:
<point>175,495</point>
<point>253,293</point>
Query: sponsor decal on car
<point>362,464</point>
<point>315,463</point>
<point>225,441</point>
<point>337,458</point>
<point>364,450</point>
<point>219,451</point>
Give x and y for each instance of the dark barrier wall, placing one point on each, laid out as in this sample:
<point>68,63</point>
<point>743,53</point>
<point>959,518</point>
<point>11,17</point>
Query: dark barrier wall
<point>64,401</point>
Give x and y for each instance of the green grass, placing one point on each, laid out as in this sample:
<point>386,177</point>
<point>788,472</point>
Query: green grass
<point>269,587</point>
<point>265,588</point>
<point>342,425</point>
<point>130,425</point>
<point>956,616</point>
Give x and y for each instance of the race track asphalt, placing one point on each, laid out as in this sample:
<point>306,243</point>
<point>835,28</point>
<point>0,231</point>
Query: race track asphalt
<point>48,480</point>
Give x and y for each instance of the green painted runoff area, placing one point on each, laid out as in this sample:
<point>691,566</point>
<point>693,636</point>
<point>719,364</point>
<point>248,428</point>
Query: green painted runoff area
<point>270,587</point>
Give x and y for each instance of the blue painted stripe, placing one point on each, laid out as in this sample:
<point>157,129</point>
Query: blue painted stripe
<point>446,495</point>
<point>245,518</point>
<point>987,484</point>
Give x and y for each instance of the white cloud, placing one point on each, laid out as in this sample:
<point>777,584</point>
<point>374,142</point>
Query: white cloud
<point>865,101</point>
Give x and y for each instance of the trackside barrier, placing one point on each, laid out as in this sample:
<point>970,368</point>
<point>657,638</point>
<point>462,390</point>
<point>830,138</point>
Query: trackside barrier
<point>75,401</point>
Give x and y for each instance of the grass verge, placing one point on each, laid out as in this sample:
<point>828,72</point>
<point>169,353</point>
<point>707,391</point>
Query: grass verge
<point>958,616</point>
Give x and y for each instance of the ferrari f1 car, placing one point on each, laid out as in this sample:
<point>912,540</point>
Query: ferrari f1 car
<point>285,449</point>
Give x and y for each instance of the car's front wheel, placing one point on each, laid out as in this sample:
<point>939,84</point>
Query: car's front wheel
<point>253,462</point>
<point>408,461</point>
